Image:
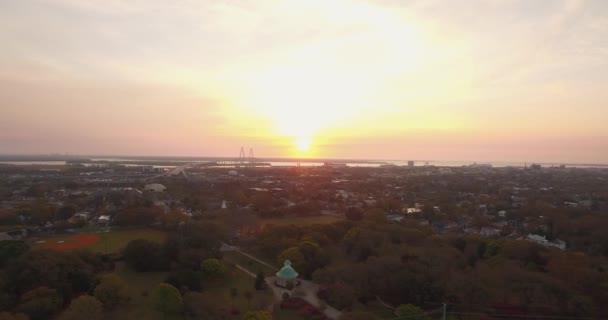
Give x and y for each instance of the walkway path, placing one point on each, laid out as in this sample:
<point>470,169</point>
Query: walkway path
<point>308,289</point>
<point>256,259</point>
<point>246,271</point>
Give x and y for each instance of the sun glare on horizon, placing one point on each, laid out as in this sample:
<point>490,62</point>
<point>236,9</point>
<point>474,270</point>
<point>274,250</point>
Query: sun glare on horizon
<point>303,144</point>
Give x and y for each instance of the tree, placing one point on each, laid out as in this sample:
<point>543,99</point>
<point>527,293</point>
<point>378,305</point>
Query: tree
<point>205,305</point>
<point>16,316</point>
<point>233,294</point>
<point>11,249</point>
<point>340,295</point>
<point>83,307</point>
<point>168,299</point>
<point>174,218</point>
<point>40,303</point>
<point>112,290</point>
<point>248,295</point>
<point>70,273</point>
<point>296,257</point>
<point>213,268</point>
<point>185,280</point>
<point>65,212</point>
<point>314,257</point>
<point>41,211</point>
<point>257,315</point>
<point>411,312</point>
<point>357,315</point>
<point>259,284</point>
<point>143,255</point>
<point>137,216</point>
<point>7,217</point>
<point>354,213</point>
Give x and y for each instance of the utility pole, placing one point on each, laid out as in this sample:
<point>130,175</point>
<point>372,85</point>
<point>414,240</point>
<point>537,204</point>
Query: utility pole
<point>444,310</point>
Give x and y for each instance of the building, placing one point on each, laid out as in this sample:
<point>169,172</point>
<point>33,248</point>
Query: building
<point>104,219</point>
<point>334,165</point>
<point>489,232</point>
<point>410,163</point>
<point>287,275</point>
<point>538,239</point>
<point>156,187</point>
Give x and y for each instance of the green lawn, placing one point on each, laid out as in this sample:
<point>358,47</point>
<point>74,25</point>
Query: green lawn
<point>250,264</point>
<point>115,241</point>
<point>243,283</point>
<point>301,220</point>
<point>141,286</point>
<point>380,311</point>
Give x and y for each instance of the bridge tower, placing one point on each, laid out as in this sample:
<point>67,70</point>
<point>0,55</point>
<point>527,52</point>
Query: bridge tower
<point>241,160</point>
<point>251,158</point>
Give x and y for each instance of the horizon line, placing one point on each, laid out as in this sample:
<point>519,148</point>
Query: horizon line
<point>69,156</point>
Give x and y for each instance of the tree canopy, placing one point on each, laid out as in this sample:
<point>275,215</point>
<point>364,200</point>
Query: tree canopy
<point>84,307</point>
<point>168,299</point>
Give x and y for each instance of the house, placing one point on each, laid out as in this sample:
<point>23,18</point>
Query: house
<point>538,239</point>
<point>156,187</point>
<point>489,232</point>
<point>413,210</point>
<point>5,236</point>
<point>370,202</point>
<point>395,218</point>
<point>103,219</point>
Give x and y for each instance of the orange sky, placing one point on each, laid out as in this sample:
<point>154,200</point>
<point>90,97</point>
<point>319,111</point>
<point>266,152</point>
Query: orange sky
<point>463,80</point>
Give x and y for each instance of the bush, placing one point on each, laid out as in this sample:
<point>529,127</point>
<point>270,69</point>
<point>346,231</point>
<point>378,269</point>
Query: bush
<point>213,268</point>
<point>309,310</point>
<point>293,303</point>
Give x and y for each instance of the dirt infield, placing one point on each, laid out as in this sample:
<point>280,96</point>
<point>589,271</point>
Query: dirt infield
<point>73,242</point>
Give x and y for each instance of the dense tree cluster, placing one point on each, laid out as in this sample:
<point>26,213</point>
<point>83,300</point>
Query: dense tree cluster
<point>401,264</point>
<point>39,283</point>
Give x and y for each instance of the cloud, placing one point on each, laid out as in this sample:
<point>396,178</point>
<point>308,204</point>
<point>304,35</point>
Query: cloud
<point>511,67</point>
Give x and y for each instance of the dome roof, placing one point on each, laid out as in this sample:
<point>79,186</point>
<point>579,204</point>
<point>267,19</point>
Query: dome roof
<point>287,272</point>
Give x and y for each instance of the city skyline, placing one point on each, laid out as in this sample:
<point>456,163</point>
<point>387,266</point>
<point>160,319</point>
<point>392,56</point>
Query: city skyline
<point>472,81</point>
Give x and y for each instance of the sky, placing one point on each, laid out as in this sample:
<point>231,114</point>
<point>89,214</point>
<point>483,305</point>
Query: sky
<point>487,80</point>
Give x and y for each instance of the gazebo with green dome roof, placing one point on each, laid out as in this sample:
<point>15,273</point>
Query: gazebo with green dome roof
<point>286,275</point>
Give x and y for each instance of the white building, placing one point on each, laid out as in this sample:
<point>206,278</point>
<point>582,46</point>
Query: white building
<point>489,232</point>
<point>560,244</point>
<point>156,187</point>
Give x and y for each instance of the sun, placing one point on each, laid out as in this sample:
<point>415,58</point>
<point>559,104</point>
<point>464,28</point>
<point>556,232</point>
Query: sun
<point>303,144</point>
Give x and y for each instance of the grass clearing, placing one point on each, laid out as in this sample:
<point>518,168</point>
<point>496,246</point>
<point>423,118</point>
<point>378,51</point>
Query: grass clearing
<point>374,307</point>
<point>141,287</point>
<point>143,284</point>
<point>243,283</point>
<point>115,241</point>
<point>249,264</point>
<point>300,221</point>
